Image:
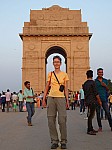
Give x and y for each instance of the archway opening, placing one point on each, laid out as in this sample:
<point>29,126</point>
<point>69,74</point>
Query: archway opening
<point>51,52</point>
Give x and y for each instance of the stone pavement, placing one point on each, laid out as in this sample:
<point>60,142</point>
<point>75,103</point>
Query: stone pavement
<point>16,135</point>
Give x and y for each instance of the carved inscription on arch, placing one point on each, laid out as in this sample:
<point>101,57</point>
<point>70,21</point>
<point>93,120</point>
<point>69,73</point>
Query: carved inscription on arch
<point>31,54</point>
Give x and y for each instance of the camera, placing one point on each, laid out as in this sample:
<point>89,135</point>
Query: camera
<point>62,87</point>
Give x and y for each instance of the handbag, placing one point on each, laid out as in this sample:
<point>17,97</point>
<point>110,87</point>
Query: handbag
<point>49,83</point>
<point>62,87</point>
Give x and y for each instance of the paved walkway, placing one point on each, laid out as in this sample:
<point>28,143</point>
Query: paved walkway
<point>16,135</point>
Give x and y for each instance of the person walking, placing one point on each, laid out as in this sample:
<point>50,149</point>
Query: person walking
<point>14,101</point>
<point>82,105</point>
<point>20,99</point>
<point>102,88</point>
<point>110,101</point>
<point>8,98</point>
<point>38,100</point>
<point>3,101</point>
<point>91,99</point>
<point>24,104</point>
<point>29,95</point>
<point>0,99</point>
<point>57,102</point>
<point>72,101</point>
<point>76,98</point>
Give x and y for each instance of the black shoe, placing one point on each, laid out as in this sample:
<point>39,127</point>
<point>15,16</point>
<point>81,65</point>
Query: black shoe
<point>54,146</point>
<point>29,124</point>
<point>91,133</point>
<point>63,146</point>
<point>111,128</point>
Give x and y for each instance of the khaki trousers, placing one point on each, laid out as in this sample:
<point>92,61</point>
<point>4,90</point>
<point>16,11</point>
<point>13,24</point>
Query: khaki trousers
<point>54,105</point>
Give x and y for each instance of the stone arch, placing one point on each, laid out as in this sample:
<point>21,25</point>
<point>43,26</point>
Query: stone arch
<point>59,30</point>
<point>56,49</point>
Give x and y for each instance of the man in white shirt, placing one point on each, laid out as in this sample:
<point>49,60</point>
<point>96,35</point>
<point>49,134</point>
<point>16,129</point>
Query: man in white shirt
<point>8,98</point>
<point>14,97</point>
<point>20,98</point>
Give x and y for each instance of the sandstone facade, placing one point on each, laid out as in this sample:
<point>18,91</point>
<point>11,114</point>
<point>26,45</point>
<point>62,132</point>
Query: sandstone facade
<point>55,30</point>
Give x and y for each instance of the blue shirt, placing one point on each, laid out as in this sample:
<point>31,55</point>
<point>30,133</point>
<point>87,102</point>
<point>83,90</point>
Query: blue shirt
<point>101,89</point>
<point>81,93</point>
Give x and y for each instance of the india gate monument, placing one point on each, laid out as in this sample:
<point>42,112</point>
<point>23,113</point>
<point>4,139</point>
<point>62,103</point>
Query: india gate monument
<point>55,30</point>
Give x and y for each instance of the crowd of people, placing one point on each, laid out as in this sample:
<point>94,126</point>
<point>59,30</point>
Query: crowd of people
<point>94,96</point>
<point>16,101</point>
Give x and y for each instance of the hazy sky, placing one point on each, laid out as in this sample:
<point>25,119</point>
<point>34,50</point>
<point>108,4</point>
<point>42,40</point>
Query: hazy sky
<point>13,14</point>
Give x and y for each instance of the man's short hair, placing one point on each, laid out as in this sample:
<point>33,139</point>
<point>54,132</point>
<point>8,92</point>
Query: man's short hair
<point>89,74</point>
<point>20,91</point>
<point>3,93</point>
<point>58,57</point>
<point>26,82</point>
<point>8,90</point>
<point>99,69</point>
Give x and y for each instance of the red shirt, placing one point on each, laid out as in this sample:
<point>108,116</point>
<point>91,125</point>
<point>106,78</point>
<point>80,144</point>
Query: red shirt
<point>76,96</point>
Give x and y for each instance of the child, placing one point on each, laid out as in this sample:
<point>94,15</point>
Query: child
<point>15,106</point>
